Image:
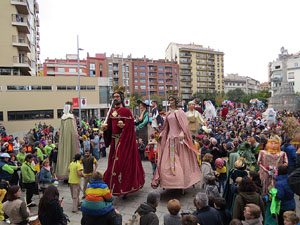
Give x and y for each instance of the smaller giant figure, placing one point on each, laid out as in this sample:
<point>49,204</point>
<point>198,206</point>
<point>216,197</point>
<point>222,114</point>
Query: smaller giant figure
<point>270,116</point>
<point>210,111</point>
<point>68,144</point>
<point>194,118</point>
<point>268,161</point>
<point>141,125</point>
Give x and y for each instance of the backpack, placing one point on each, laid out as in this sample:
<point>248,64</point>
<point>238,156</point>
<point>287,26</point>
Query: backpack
<point>134,220</point>
<point>294,181</point>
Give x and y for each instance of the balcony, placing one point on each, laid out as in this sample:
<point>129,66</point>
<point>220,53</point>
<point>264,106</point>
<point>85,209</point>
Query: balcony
<point>186,96</point>
<point>185,84</point>
<point>276,79</point>
<point>186,61</point>
<point>186,79</point>
<point>185,54</point>
<point>21,6</point>
<point>188,67</point>
<point>36,7</point>
<point>186,91</point>
<point>22,62</point>
<point>21,22</point>
<point>21,42</point>
<point>37,21</point>
<point>186,73</point>
<point>210,62</point>
<point>116,68</point>
<point>211,68</point>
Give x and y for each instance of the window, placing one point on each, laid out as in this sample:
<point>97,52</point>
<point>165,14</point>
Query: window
<point>143,87</point>
<point>161,74</point>
<point>135,73</point>
<point>101,69</point>
<point>142,67</point>
<point>110,67</point>
<point>136,80</point>
<point>277,67</point>
<point>104,96</point>
<point>1,116</point>
<point>17,88</point>
<point>142,74</point>
<point>296,64</point>
<point>143,93</point>
<point>30,115</point>
<point>60,70</point>
<point>160,68</point>
<point>143,80</point>
<point>136,87</point>
<point>88,88</point>
<point>161,81</point>
<point>175,69</point>
<point>161,93</point>
<point>92,69</point>
<point>72,70</point>
<point>291,75</point>
<point>41,88</point>
<point>71,88</point>
<point>135,66</point>
<point>161,87</point>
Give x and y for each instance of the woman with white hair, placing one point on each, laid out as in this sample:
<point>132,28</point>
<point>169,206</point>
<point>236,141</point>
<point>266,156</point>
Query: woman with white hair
<point>205,214</point>
<point>194,118</point>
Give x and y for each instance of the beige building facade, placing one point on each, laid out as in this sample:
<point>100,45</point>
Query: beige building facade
<point>200,69</point>
<point>246,84</point>
<point>19,39</point>
<point>26,100</point>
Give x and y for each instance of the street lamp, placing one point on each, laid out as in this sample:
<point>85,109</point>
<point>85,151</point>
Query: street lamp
<point>79,98</point>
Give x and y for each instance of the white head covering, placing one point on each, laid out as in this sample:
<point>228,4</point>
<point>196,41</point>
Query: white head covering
<point>67,109</point>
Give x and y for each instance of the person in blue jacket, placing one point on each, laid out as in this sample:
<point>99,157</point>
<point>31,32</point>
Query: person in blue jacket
<point>284,193</point>
<point>290,151</point>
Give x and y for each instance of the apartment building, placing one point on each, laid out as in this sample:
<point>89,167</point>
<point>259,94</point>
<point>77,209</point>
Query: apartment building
<point>200,69</point>
<point>65,67</point>
<point>119,71</point>
<point>28,100</point>
<point>246,84</point>
<point>154,77</point>
<point>19,25</point>
<point>293,73</point>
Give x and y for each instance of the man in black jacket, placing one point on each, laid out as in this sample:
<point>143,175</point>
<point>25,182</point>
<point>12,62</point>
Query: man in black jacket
<point>147,209</point>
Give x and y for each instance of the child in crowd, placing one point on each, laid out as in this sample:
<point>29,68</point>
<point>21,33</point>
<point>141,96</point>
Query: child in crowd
<point>189,220</point>
<point>220,205</point>
<point>151,150</point>
<point>173,218</point>
<point>290,218</point>
<point>221,169</point>
<point>211,187</point>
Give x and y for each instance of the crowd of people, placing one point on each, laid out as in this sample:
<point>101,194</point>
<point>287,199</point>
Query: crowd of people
<point>245,164</point>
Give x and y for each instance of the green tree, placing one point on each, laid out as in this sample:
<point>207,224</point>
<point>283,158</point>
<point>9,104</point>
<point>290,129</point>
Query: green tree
<point>206,95</point>
<point>263,95</point>
<point>220,98</point>
<point>235,95</point>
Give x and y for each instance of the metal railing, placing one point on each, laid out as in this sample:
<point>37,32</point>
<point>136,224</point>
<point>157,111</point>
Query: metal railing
<point>19,18</point>
<point>23,39</point>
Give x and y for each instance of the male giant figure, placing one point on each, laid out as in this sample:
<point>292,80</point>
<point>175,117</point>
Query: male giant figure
<point>124,172</point>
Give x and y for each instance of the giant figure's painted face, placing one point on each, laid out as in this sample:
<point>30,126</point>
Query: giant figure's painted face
<point>273,146</point>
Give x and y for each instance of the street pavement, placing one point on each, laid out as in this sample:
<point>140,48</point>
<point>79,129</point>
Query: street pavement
<point>128,206</point>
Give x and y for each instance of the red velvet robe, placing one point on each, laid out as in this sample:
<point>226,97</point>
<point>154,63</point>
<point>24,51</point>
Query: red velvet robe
<point>124,173</point>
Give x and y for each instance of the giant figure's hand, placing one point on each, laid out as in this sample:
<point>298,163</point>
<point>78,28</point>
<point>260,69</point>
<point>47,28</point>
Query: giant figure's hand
<point>103,127</point>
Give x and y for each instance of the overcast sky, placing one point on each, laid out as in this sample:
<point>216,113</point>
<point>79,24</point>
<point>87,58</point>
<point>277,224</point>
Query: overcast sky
<point>250,33</point>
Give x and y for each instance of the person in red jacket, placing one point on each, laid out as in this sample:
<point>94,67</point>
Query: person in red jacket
<point>224,112</point>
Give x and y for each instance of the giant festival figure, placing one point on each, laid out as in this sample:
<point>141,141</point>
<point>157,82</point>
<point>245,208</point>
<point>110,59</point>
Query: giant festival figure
<point>269,160</point>
<point>124,173</point>
<point>177,166</point>
<point>68,141</point>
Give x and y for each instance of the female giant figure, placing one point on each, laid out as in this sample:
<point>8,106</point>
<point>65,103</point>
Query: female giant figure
<point>177,166</point>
